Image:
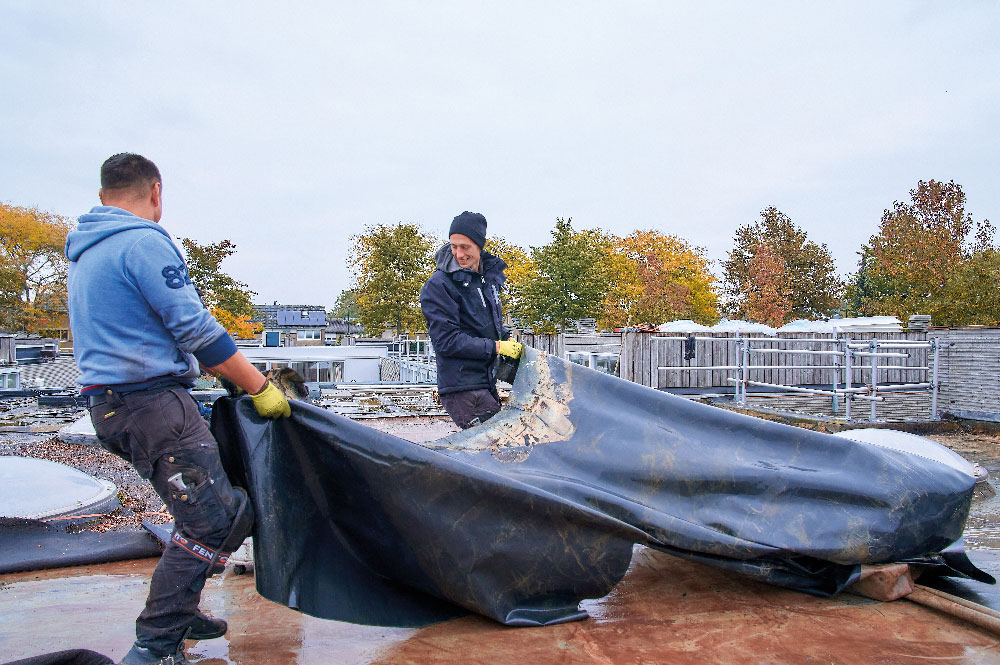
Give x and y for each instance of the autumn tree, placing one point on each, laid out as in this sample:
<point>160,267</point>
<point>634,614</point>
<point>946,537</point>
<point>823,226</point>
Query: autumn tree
<point>814,288</point>
<point>518,267</point>
<point>625,301</point>
<point>663,278</point>
<point>390,263</point>
<point>972,295</point>
<point>567,281</point>
<point>768,288</point>
<point>230,301</point>
<point>33,269</point>
<point>930,257</point>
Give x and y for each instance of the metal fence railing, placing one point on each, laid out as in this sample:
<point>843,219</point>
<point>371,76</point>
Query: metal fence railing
<point>846,358</point>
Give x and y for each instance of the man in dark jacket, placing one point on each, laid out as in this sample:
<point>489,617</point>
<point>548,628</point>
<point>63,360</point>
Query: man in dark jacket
<point>461,302</point>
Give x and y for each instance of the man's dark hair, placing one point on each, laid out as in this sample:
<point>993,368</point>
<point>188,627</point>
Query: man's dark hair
<point>126,170</point>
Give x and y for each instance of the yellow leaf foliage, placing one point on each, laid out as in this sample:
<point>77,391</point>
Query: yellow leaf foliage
<point>32,269</point>
<point>654,278</point>
<point>519,267</point>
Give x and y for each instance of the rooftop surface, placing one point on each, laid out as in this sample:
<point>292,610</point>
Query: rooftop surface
<point>666,610</point>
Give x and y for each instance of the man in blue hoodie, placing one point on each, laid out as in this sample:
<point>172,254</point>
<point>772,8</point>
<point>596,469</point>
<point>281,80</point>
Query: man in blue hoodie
<point>140,332</point>
<point>461,302</point>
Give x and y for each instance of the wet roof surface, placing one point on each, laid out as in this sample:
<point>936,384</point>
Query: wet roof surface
<point>666,610</point>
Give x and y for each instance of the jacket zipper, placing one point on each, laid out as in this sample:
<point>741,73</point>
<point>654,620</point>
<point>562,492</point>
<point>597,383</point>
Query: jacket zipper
<point>481,296</point>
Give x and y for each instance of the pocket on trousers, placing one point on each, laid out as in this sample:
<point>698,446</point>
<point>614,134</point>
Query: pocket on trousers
<point>197,509</point>
<point>174,406</point>
<point>110,428</point>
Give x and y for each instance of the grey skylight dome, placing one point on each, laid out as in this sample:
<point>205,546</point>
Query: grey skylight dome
<point>42,490</point>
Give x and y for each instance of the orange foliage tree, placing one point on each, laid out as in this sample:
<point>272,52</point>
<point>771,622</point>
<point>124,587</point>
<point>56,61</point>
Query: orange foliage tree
<point>659,278</point>
<point>930,257</point>
<point>645,277</point>
<point>814,288</point>
<point>767,288</point>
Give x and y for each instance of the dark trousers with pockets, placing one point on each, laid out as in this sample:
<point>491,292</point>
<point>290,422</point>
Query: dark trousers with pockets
<point>470,407</point>
<point>161,432</point>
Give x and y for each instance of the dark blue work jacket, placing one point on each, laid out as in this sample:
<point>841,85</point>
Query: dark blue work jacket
<point>464,320</point>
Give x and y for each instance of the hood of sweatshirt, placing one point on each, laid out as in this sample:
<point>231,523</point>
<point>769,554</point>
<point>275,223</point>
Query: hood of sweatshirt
<point>101,222</point>
<point>446,261</point>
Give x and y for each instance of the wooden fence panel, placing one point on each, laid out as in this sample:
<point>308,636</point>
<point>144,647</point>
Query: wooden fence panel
<point>650,356</point>
<point>623,358</point>
<point>642,354</point>
<point>720,358</point>
<point>702,358</point>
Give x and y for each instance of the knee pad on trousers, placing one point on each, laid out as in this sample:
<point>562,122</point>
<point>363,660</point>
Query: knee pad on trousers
<point>242,522</point>
<point>240,529</point>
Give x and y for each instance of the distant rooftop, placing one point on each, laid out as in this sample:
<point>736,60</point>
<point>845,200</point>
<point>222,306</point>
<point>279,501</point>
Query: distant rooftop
<point>274,316</point>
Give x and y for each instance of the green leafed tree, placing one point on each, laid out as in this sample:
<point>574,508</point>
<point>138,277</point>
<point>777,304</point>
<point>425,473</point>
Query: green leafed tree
<point>814,289</point>
<point>346,306</point>
<point>972,295</point>
<point>390,263</point>
<point>567,279</point>
<point>231,301</point>
<point>929,257</point>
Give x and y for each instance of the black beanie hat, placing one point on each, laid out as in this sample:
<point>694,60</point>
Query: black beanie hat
<point>471,225</point>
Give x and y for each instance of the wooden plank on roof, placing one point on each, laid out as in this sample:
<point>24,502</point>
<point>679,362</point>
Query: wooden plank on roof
<point>658,353</point>
<point>647,361</point>
<point>640,365</point>
<point>717,352</point>
<point>701,354</point>
<point>625,367</point>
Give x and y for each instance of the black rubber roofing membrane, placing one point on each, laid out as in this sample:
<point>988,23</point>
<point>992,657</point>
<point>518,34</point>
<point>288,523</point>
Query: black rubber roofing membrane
<point>522,517</point>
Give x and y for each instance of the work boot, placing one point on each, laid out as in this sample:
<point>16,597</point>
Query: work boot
<point>204,627</point>
<point>138,655</point>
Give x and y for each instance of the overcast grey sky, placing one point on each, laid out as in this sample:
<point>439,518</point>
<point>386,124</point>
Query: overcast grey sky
<point>286,127</point>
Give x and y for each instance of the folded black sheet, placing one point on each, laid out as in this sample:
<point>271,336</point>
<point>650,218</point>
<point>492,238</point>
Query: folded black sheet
<point>68,657</point>
<point>34,545</point>
<point>522,517</point>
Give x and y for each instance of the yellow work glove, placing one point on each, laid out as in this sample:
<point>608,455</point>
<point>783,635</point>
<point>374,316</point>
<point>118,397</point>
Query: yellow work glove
<point>510,348</point>
<point>271,402</point>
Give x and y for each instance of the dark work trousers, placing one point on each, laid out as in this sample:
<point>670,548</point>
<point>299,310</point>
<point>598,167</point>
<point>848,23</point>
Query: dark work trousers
<point>470,407</point>
<point>162,434</point>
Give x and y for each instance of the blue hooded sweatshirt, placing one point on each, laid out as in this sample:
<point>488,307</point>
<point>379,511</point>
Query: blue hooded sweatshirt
<point>136,318</point>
